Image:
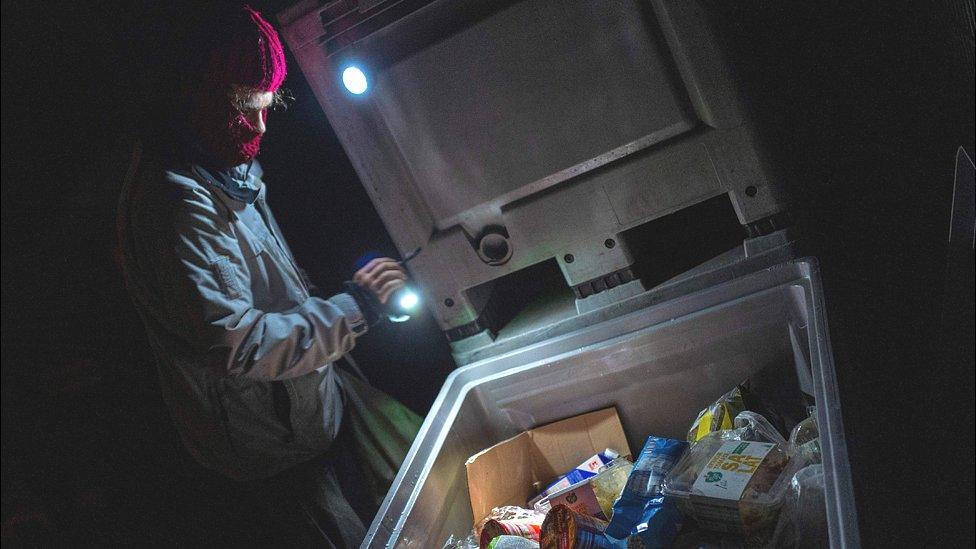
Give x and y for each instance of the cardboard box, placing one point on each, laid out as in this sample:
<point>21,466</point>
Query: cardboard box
<point>504,474</point>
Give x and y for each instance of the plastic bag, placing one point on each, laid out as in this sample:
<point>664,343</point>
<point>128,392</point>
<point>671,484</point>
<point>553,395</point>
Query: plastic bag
<point>805,442</point>
<point>803,518</point>
<point>470,542</point>
<point>658,526</point>
<point>512,542</point>
<point>608,485</point>
<point>641,509</point>
<point>718,416</point>
<point>721,414</point>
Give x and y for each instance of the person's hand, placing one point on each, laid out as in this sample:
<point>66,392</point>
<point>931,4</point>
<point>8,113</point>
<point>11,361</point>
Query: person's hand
<point>381,277</point>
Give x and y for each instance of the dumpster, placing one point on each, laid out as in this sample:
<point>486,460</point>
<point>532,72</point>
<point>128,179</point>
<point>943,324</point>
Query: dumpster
<point>657,365</point>
<point>498,136</point>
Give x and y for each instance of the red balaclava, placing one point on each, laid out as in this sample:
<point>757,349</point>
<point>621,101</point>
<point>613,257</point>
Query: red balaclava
<point>249,54</point>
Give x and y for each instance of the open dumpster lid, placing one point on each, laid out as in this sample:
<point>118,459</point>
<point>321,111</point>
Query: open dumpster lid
<point>496,135</point>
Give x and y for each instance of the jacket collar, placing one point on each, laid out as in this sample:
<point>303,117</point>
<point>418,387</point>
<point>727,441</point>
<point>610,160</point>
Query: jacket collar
<point>242,183</point>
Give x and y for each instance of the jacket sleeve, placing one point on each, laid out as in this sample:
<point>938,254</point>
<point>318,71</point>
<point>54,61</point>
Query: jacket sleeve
<point>214,295</point>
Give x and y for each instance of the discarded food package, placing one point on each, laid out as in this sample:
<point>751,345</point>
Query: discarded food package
<point>803,518</point>
<point>806,431</point>
<point>595,495</point>
<point>506,473</point>
<point>642,512</point>
<point>805,442</point>
<point>658,526</point>
<point>512,542</point>
<point>567,529</point>
<point>719,415</point>
<point>457,542</point>
<point>732,480</point>
<point>509,520</point>
<point>581,472</point>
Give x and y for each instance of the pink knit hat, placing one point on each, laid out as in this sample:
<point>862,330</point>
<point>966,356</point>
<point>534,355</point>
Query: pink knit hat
<point>249,53</point>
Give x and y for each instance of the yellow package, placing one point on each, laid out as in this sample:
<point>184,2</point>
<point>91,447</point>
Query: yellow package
<point>718,416</point>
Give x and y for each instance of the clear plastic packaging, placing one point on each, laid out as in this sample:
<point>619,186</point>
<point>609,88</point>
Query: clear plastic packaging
<point>805,442</point>
<point>718,416</point>
<point>803,518</point>
<point>806,431</point>
<point>733,480</point>
<point>512,542</point>
<point>470,542</point>
<point>610,483</point>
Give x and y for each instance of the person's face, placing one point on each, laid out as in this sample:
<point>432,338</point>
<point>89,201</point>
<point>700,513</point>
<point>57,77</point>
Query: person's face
<point>253,107</point>
<point>230,124</point>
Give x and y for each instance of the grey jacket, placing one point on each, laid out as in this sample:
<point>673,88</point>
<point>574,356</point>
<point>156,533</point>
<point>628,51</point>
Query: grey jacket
<point>244,351</point>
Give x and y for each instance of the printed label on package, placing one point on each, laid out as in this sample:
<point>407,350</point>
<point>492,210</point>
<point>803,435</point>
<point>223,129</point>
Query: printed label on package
<point>730,469</point>
<point>579,498</point>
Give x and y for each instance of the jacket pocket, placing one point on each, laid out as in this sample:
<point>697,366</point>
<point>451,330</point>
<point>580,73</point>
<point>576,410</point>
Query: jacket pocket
<point>216,398</point>
<point>281,402</point>
<point>252,417</point>
<point>226,275</point>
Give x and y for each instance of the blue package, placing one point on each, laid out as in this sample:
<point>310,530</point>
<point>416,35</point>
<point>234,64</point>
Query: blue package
<point>641,508</point>
<point>583,471</point>
<point>572,477</point>
<point>659,525</point>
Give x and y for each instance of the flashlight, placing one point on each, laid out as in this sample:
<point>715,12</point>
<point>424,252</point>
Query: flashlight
<point>405,301</point>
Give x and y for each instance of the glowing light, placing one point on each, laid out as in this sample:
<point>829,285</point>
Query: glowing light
<point>409,300</point>
<point>354,79</point>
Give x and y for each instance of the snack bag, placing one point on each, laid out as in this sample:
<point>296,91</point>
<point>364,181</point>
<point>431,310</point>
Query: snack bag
<point>641,511</point>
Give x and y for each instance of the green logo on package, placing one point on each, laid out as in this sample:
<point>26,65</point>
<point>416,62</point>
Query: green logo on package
<point>739,449</point>
<point>713,476</point>
<point>571,498</point>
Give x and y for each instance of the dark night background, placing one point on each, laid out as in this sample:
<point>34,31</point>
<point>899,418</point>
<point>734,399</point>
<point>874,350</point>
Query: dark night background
<point>864,106</point>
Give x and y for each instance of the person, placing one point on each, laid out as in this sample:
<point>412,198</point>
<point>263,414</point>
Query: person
<point>249,356</point>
